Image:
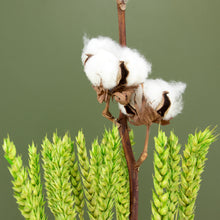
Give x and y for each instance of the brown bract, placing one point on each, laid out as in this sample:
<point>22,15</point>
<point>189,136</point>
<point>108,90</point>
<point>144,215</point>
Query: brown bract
<point>88,56</point>
<point>145,115</point>
<point>102,93</point>
<point>123,93</point>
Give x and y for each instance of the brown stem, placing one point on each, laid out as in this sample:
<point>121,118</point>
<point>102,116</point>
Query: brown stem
<point>143,156</point>
<point>131,163</point>
<point>123,129</point>
<point>121,5</point>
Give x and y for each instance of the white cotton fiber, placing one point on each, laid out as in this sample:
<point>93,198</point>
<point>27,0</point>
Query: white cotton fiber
<point>92,46</point>
<point>153,91</point>
<point>122,109</point>
<point>102,57</point>
<point>103,67</point>
<point>139,68</point>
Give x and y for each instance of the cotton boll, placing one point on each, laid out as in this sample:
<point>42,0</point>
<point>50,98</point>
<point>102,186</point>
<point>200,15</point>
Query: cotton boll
<point>139,68</point>
<point>175,96</point>
<point>103,68</point>
<point>92,46</point>
<point>154,89</point>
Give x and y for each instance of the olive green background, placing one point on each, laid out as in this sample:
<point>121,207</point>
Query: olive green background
<point>43,88</point>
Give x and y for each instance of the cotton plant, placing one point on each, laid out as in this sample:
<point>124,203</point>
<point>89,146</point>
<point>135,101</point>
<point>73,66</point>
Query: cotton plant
<point>121,73</point>
<point>113,70</point>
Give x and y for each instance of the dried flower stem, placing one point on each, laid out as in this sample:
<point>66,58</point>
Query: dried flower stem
<point>123,129</point>
<point>121,5</point>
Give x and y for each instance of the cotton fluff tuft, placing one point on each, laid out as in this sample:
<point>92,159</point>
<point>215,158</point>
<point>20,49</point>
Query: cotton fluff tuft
<point>94,45</point>
<point>122,109</point>
<point>153,91</point>
<point>103,68</point>
<point>100,57</point>
<point>139,68</point>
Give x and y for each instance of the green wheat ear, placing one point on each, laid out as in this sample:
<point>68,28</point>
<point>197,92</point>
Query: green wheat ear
<point>87,179</point>
<point>105,177</point>
<point>162,174</point>
<point>27,192</point>
<point>35,179</point>
<point>57,165</point>
<point>76,185</point>
<point>107,180</point>
<point>175,170</point>
<point>193,162</point>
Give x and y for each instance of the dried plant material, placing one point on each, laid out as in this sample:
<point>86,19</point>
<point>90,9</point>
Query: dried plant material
<point>146,115</point>
<point>143,114</point>
<point>124,96</point>
<point>154,101</point>
<point>102,94</point>
<point>122,4</point>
